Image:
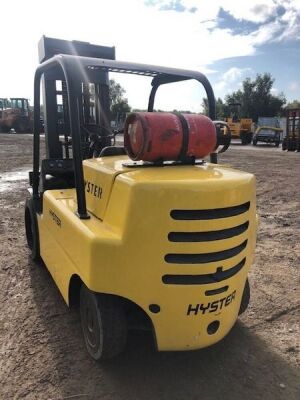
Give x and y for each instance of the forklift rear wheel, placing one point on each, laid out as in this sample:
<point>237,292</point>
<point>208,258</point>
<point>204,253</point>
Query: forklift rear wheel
<point>103,324</point>
<point>245,298</point>
<point>21,126</point>
<point>32,230</point>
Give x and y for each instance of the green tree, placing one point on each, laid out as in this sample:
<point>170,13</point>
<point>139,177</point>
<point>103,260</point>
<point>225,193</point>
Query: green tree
<point>118,103</point>
<point>256,98</point>
<point>220,108</point>
<point>293,104</point>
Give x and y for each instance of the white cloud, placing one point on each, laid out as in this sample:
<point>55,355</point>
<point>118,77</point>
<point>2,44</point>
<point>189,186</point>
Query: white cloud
<point>294,86</point>
<point>230,80</point>
<point>291,19</point>
<point>254,11</point>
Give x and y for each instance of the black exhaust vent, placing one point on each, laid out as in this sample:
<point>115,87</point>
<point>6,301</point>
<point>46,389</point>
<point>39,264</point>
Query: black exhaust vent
<point>215,213</point>
<point>204,279</point>
<point>203,258</point>
<point>207,236</point>
<point>213,292</point>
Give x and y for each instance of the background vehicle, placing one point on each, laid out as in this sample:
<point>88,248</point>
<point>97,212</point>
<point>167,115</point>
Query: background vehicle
<point>4,103</point>
<point>163,244</point>
<point>241,128</point>
<point>16,114</point>
<point>1,110</point>
<point>268,131</point>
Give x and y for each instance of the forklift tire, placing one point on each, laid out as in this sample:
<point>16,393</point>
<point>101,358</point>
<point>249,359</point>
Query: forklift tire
<point>244,139</point>
<point>245,298</point>
<point>249,137</point>
<point>21,126</point>
<point>254,142</point>
<point>283,144</point>
<point>103,323</point>
<point>32,230</point>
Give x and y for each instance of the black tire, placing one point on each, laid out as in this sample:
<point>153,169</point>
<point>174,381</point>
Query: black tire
<point>245,298</point>
<point>249,136</point>
<point>32,230</point>
<point>243,139</point>
<point>5,129</point>
<point>254,142</point>
<point>103,323</point>
<point>21,126</point>
<point>284,145</point>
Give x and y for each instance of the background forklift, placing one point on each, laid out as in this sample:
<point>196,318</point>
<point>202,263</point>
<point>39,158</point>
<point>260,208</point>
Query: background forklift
<point>163,244</point>
<point>241,128</point>
<point>291,142</point>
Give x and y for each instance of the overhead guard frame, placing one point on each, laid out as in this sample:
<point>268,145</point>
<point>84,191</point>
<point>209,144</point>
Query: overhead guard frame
<point>76,68</point>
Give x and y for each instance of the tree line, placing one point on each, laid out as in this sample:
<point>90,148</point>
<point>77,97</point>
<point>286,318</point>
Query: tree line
<point>255,99</point>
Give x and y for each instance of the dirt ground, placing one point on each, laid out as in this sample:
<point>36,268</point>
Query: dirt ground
<point>42,350</point>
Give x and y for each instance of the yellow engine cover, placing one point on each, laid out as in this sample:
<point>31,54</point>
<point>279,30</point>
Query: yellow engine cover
<point>181,237</point>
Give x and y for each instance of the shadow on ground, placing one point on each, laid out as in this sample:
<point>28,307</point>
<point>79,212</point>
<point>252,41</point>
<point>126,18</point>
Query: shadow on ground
<point>242,366</point>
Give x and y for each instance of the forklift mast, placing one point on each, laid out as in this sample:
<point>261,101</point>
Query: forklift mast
<point>93,98</point>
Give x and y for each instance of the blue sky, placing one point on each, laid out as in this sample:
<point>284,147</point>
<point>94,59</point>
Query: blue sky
<point>228,40</point>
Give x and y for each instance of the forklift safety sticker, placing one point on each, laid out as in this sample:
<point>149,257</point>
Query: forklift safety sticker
<point>93,189</point>
<point>194,309</point>
<point>55,218</point>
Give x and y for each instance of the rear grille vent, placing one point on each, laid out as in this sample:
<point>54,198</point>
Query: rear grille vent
<point>204,279</point>
<point>205,257</point>
<point>208,236</point>
<point>214,273</point>
<point>210,213</point>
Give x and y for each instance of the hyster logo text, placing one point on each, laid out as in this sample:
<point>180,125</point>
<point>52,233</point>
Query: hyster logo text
<point>55,218</point>
<point>194,309</point>
<point>93,189</point>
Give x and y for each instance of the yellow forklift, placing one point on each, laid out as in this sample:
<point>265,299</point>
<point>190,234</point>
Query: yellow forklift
<point>150,236</point>
<point>241,128</point>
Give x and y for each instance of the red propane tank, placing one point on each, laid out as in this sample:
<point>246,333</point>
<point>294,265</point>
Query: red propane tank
<point>153,136</point>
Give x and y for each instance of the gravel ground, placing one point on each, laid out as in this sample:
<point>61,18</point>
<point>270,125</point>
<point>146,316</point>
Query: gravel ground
<point>42,350</point>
